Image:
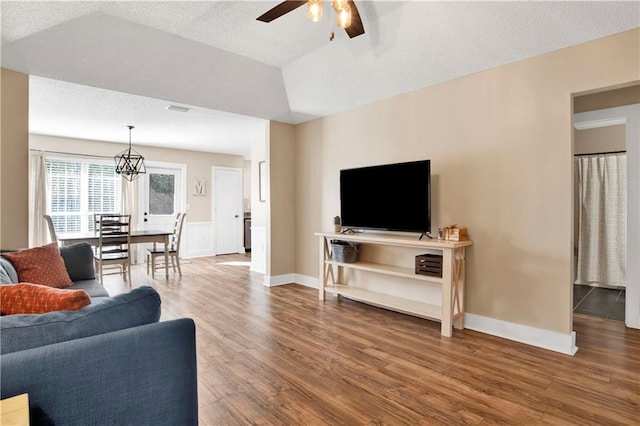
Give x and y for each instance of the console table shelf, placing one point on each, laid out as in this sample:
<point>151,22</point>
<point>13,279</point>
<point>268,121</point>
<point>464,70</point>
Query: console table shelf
<point>450,312</point>
<point>386,269</point>
<point>381,300</point>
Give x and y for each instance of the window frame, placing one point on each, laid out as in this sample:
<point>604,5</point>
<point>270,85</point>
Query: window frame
<point>86,216</point>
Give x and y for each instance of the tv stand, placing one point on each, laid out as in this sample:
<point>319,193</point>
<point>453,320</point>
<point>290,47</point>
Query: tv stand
<point>348,231</point>
<point>425,234</point>
<point>450,311</point>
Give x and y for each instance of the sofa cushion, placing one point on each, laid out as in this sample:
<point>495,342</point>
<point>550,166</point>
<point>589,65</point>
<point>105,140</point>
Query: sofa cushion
<point>26,298</point>
<point>140,306</point>
<point>8,274</point>
<point>40,265</point>
<point>78,258</point>
<point>92,287</point>
<point>4,277</point>
<point>145,375</point>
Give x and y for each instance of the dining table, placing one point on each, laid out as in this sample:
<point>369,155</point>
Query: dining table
<point>137,237</point>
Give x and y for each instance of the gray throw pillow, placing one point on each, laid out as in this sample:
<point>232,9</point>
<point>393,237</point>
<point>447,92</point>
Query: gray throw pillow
<point>4,277</point>
<point>78,258</point>
<point>8,274</point>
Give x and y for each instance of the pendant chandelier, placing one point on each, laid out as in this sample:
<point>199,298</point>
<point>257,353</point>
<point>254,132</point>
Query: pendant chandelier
<point>129,163</point>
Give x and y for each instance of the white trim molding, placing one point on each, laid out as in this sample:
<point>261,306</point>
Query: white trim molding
<point>258,249</point>
<point>594,124</point>
<point>307,281</point>
<point>196,240</point>
<point>546,339</point>
<point>276,280</point>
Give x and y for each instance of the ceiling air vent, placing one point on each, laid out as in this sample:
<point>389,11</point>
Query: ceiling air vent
<point>177,108</point>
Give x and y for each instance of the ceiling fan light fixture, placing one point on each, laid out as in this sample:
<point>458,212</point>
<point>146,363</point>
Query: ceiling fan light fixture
<point>343,17</point>
<point>314,11</point>
<point>339,5</point>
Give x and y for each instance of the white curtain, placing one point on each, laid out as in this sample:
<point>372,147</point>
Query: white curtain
<point>38,231</point>
<point>129,205</point>
<point>602,219</point>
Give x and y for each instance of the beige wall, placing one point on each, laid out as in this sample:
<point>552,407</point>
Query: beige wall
<point>198,164</point>
<point>600,139</point>
<point>282,205</point>
<point>14,160</point>
<point>607,99</point>
<point>500,142</point>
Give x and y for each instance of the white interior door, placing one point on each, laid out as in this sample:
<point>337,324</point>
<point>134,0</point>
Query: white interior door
<point>160,198</point>
<point>227,209</point>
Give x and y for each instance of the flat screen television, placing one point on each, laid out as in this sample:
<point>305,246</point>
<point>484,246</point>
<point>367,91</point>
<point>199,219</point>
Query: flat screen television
<point>391,197</point>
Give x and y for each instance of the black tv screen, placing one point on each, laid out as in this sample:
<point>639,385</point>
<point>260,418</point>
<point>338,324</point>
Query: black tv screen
<point>393,197</point>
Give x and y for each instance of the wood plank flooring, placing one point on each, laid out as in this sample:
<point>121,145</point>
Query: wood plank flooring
<point>279,356</point>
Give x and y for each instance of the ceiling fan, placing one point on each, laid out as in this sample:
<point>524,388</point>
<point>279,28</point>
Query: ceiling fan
<point>346,13</point>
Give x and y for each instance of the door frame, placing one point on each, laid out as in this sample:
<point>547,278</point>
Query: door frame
<point>214,217</point>
<point>629,116</point>
<point>182,201</point>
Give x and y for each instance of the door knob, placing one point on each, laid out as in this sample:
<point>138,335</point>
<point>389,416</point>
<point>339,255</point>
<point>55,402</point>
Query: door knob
<point>237,216</point>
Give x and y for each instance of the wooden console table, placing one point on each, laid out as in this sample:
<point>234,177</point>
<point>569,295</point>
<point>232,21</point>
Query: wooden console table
<point>451,310</point>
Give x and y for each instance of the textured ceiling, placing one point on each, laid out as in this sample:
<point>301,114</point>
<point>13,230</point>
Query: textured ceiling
<point>215,55</point>
<point>99,114</point>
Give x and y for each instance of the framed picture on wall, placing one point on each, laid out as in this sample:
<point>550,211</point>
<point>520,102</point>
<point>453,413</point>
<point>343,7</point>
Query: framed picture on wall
<point>262,179</point>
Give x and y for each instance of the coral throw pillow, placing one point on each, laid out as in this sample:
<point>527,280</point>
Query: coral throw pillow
<point>40,265</point>
<point>26,298</point>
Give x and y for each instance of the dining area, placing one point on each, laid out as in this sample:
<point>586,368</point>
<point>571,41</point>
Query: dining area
<point>113,236</point>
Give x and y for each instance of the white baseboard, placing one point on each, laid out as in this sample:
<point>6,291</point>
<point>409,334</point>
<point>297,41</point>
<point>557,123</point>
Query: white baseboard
<point>276,280</point>
<point>307,281</point>
<point>200,253</point>
<point>546,339</point>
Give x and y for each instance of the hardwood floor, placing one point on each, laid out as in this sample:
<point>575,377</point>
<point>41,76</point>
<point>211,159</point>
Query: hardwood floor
<point>280,356</point>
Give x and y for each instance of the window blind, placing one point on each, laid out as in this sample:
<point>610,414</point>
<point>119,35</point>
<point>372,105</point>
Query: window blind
<point>78,188</point>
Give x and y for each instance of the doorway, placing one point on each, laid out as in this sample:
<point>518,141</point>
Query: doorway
<point>629,117</point>
<point>600,221</point>
<point>226,209</point>
<point>162,196</point>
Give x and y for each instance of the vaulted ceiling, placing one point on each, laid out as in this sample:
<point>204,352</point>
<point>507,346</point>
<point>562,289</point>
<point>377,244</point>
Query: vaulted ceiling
<point>214,56</point>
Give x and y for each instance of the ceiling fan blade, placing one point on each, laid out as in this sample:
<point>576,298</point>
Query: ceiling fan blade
<point>281,9</point>
<point>356,28</point>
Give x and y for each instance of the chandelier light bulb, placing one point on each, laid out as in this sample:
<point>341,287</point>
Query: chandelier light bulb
<point>343,19</point>
<point>314,12</point>
<point>339,5</point>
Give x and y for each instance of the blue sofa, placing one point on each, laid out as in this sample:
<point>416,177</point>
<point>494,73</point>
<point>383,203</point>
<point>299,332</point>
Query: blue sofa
<point>111,362</point>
